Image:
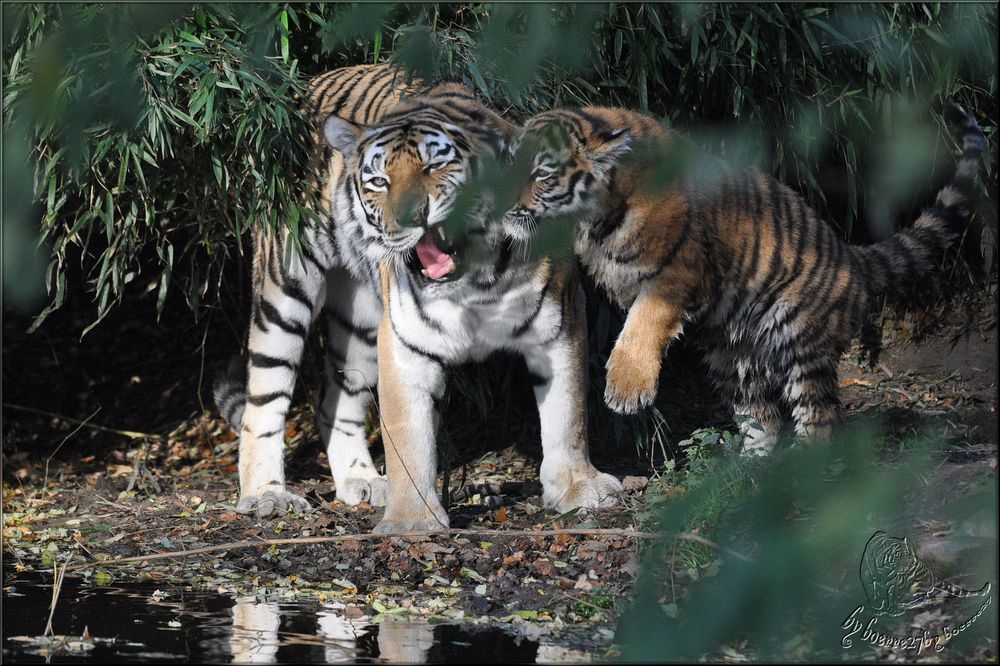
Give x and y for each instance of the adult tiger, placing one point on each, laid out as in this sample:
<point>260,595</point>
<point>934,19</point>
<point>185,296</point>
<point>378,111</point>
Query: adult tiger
<point>403,302</point>
<point>778,295</point>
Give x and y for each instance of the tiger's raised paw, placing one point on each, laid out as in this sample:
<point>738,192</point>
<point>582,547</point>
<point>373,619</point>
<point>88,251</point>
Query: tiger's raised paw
<point>628,402</point>
<point>631,386</point>
<point>271,502</point>
<point>356,490</point>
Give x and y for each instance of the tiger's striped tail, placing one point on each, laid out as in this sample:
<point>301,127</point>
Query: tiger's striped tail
<point>229,389</point>
<point>892,265</point>
<point>955,591</point>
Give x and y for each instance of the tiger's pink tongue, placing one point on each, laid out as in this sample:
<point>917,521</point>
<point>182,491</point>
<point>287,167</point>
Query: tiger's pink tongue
<point>436,263</point>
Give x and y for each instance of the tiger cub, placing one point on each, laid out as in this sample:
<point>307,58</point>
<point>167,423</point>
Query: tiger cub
<point>404,299</point>
<point>777,294</point>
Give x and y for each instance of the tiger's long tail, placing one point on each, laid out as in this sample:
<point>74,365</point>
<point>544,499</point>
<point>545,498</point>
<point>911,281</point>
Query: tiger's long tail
<point>892,265</point>
<point>229,389</point>
<point>955,591</point>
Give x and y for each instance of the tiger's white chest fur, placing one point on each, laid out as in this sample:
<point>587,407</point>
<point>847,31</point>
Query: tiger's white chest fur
<point>462,322</point>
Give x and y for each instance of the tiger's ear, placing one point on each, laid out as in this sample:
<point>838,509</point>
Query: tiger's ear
<point>341,134</point>
<point>501,137</point>
<point>608,147</point>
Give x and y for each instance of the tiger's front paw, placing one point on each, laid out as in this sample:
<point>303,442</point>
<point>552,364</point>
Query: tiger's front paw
<point>271,502</point>
<point>591,490</point>
<point>631,383</point>
<point>415,522</point>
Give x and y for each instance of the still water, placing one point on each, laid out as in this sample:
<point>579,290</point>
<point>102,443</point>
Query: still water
<point>131,622</point>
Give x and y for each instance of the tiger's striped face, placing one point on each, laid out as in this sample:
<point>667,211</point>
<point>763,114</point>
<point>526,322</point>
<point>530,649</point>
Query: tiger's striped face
<point>569,171</point>
<point>401,182</point>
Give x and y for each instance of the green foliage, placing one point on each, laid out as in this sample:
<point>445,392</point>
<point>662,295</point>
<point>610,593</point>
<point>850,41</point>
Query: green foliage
<point>705,454</point>
<point>591,605</point>
<point>156,140</point>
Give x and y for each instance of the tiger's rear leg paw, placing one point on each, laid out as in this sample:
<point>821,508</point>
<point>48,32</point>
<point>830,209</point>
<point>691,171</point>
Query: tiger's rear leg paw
<point>271,502</point>
<point>594,491</point>
<point>758,446</point>
<point>818,426</point>
<point>759,427</point>
<point>758,440</point>
<point>356,490</point>
<point>820,432</point>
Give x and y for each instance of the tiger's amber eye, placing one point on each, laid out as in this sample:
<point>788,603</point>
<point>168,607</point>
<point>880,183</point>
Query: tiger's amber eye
<point>378,182</point>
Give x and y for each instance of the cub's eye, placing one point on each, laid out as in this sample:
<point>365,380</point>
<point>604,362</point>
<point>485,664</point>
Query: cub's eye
<point>542,174</point>
<point>378,182</point>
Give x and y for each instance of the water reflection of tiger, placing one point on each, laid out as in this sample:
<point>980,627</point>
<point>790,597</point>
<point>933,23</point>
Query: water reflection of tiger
<point>257,635</point>
<point>896,581</point>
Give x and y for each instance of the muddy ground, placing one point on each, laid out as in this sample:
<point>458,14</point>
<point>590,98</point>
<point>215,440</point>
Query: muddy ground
<point>112,449</point>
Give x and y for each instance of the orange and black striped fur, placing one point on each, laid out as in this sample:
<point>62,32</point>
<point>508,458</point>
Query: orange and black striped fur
<point>393,265</point>
<point>776,295</point>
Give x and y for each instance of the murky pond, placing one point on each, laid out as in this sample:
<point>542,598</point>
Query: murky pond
<point>140,621</point>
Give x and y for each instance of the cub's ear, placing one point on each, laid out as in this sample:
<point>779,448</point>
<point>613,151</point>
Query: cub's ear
<point>608,147</point>
<point>499,135</point>
<point>342,134</point>
<point>503,147</point>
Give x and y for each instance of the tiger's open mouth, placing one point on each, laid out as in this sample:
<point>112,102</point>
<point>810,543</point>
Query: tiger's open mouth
<point>435,258</point>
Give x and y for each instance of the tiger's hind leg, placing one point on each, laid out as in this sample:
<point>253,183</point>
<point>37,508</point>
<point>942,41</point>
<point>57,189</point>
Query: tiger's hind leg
<point>812,392</point>
<point>285,301</point>
<point>754,393</point>
<point>350,373</point>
